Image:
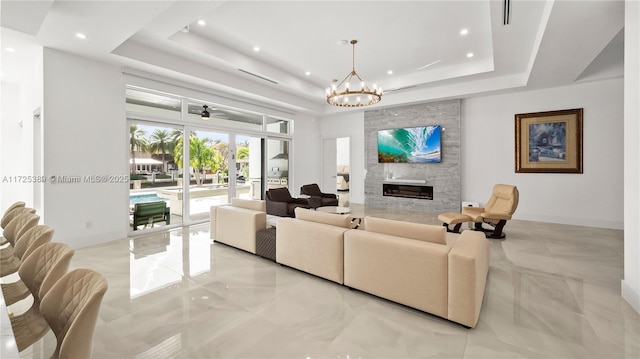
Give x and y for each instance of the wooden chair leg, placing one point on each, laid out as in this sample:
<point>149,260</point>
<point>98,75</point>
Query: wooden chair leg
<point>456,228</point>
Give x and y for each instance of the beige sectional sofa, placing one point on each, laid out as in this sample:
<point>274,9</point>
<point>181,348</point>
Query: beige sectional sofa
<point>236,224</point>
<point>412,264</point>
<point>417,265</point>
<point>313,242</point>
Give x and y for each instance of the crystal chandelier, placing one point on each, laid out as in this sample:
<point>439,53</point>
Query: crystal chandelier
<point>344,95</point>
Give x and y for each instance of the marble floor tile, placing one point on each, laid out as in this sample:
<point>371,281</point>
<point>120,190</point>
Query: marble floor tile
<point>553,291</point>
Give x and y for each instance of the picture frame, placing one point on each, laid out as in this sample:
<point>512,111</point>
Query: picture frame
<point>549,142</point>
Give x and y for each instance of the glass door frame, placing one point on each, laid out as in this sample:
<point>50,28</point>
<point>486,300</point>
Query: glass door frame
<point>187,126</point>
<point>136,118</point>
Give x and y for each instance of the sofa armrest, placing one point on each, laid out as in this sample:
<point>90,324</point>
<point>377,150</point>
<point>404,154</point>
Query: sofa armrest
<point>212,219</point>
<point>468,268</point>
<point>237,227</point>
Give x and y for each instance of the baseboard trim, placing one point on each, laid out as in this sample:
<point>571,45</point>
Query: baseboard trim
<point>631,296</point>
<point>586,222</point>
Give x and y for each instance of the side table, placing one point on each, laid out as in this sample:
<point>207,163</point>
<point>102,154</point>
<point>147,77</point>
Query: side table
<point>266,243</point>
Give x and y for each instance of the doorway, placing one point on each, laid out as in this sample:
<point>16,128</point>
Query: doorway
<point>336,154</point>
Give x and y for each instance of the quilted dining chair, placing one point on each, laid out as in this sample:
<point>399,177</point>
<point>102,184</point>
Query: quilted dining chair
<point>71,308</point>
<point>8,217</point>
<point>24,246</point>
<point>16,228</point>
<point>38,273</point>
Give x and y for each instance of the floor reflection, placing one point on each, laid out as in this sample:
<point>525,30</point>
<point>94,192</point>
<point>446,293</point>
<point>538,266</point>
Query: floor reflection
<point>552,291</point>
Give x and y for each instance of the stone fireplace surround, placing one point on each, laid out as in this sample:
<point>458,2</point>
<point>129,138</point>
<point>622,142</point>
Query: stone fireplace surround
<point>443,176</point>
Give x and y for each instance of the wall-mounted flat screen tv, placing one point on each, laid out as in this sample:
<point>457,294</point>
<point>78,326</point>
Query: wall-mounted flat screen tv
<point>409,145</point>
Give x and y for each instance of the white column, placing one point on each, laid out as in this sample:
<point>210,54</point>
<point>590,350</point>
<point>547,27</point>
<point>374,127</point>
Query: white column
<point>631,281</point>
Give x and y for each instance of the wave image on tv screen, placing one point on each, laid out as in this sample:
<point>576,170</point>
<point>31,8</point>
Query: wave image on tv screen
<point>409,145</point>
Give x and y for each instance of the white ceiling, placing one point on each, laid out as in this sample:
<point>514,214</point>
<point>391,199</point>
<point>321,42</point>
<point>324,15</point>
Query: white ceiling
<point>547,43</point>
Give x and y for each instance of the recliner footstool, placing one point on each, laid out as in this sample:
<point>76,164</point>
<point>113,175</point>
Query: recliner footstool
<point>453,218</point>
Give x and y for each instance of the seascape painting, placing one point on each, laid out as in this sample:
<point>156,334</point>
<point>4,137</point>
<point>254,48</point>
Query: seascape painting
<point>410,145</point>
<point>548,142</point>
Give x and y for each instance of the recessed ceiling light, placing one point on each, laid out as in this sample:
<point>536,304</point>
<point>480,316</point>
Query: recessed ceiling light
<point>470,55</point>
<point>202,22</point>
<point>80,35</point>
<point>464,32</point>
<point>308,73</point>
<point>343,42</point>
<point>10,49</point>
<point>256,48</point>
<point>389,72</point>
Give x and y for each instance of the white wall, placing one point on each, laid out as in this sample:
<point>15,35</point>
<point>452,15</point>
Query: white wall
<point>631,282</point>
<point>16,135</point>
<point>11,144</point>
<point>343,151</point>
<point>350,125</point>
<point>594,198</point>
<point>306,154</point>
<point>85,134</point>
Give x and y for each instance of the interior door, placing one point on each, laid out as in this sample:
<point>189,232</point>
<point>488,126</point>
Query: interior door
<point>329,164</point>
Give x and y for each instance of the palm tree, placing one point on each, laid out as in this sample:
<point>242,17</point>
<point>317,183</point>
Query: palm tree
<point>201,155</point>
<point>136,141</point>
<point>242,153</point>
<point>223,149</point>
<point>160,141</point>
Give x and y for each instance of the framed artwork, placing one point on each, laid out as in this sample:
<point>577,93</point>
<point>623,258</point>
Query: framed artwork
<point>549,142</point>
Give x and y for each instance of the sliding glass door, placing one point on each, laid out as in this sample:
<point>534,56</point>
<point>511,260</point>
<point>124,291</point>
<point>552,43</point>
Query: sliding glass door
<point>277,163</point>
<point>250,167</point>
<point>209,172</point>
<point>185,160</point>
<point>154,174</point>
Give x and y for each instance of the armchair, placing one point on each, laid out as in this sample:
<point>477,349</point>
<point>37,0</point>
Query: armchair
<point>499,208</point>
<point>280,203</point>
<point>496,212</point>
<point>318,199</point>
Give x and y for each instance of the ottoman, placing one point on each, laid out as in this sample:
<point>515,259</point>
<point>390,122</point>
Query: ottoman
<point>266,243</point>
<point>452,218</point>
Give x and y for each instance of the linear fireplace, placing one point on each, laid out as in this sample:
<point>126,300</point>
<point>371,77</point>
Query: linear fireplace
<point>420,191</point>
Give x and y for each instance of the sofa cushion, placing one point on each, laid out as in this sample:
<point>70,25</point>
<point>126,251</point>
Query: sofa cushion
<point>280,195</point>
<point>339,220</point>
<point>237,227</point>
<point>421,232</point>
<point>311,189</point>
<point>256,205</point>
